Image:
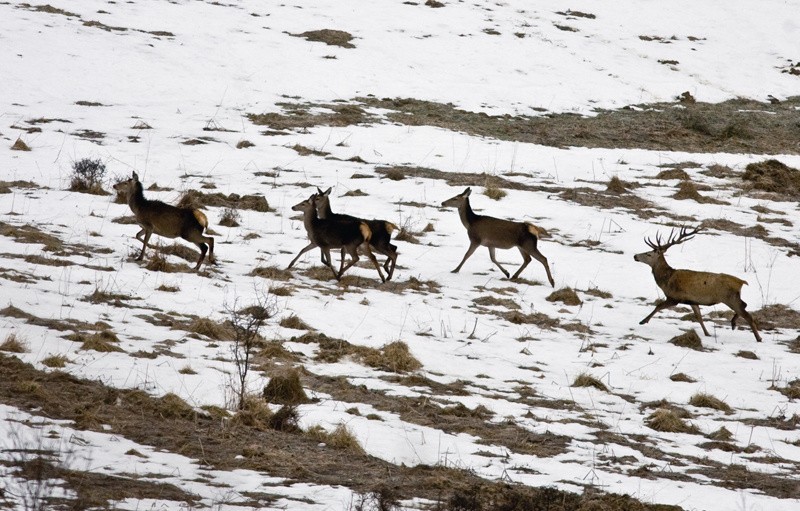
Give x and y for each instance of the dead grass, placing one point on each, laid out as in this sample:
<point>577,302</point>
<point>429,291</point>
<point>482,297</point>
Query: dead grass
<point>285,388</point>
<point>721,435</point>
<point>536,318</point>
<point>688,339</point>
<point>676,173</point>
<point>682,377</point>
<point>100,296</point>
<point>103,341</point>
<point>777,316</point>
<point>244,144</point>
<point>168,288</point>
<point>746,354</point>
<point>773,176</point>
<point>395,357</point>
<point>565,295</point>
<point>254,413</point>
<point>294,322</point>
<point>197,199</point>
<point>703,400</point>
<point>667,421</point>
<point>329,37</point>
<point>304,116</point>
<point>13,343</point>
<point>340,438</point>
<point>491,301</point>
<point>20,145</point>
<point>494,192</point>
<point>271,272</point>
<point>587,380</point>
<point>56,361</point>
<point>230,218</point>
<point>158,263</point>
<point>688,191</point>
<point>791,390</point>
<point>220,331</point>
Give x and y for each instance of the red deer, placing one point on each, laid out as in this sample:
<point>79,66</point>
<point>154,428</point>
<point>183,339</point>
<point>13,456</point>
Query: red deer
<point>165,220</point>
<point>693,288</point>
<point>331,234</point>
<point>497,233</point>
<point>381,231</point>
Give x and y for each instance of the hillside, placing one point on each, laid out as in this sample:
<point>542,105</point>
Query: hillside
<point>603,123</point>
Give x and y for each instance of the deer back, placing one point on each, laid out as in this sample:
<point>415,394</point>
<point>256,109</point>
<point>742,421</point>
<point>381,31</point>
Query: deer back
<point>499,233</point>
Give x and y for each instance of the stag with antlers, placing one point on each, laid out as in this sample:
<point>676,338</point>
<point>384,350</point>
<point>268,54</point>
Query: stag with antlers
<point>693,288</point>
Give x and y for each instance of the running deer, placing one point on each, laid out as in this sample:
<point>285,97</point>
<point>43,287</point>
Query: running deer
<point>332,234</point>
<point>496,233</point>
<point>693,288</point>
<point>381,231</point>
<point>165,220</point>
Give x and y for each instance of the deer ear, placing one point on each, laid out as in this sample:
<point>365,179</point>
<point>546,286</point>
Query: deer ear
<point>328,191</point>
<point>467,192</point>
<point>319,192</point>
<point>135,176</point>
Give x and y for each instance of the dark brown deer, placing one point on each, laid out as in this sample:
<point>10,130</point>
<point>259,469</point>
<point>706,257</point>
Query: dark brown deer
<point>165,220</point>
<point>332,234</point>
<point>693,288</point>
<point>496,233</point>
<point>381,231</point>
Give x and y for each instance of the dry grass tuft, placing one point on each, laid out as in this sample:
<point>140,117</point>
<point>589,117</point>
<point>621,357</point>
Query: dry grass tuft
<point>747,354</point>
<point>87,176</point>
<point>668,421</point>
<point>187,369</point>
<point>565,295</point>
<point>340,438</point>
<point>673,174</point>
<point>536,318</point>
<point>773,176</point>
<point>230,218</point>
<point>158,263</point>
<point>704,400</point>
<point>722,435</point>
<point>777,316</point>
<point>587,380</point>
<point>20,145</point>
<point>254,413</point>
<point>491,301</point>
<point>688,191</point>
<point>791,390</point>
<point>172,406</point>
<point>329,37</point>
<point>688,339</point>
<point>617,185</point>
<point>56,361</point>
<point>97,341</point>
<point>294,322</point>
<point>682,377</point>
<point>494,192</point>
<point>271,272</point>
<point>197,199</point>
<point>212,329</point>
<point>286,419</point>
<point>285,388</point>
<point>168,288</point>
<point>395,357</point>
<point>395,174</point>
<point>244,144</point>
<point>14,344</point>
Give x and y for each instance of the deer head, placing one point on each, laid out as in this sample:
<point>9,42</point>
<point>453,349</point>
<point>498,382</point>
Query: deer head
<point>458,200</point>
<point>659,248</point>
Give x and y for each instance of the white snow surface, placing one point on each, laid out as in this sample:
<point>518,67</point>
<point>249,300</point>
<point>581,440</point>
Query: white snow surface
<point>225,60</point>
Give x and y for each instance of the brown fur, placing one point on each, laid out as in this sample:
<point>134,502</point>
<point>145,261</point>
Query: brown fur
<point>496,233</point>
<point>694,288</point>
<point>166,220</point>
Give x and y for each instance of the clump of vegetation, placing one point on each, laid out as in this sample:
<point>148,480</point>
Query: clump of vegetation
<point>329,37</point>
<point>171,406</point>
<point>703,400</point>
<point>395,357</point>
<point>688,191</point>
<point>244,144</point>
<point>271,272</point>
<point>14,344</point>
<point>168,288</point>
<point>285,388</point>
<point>791,390</point>
<point>87,176</point>
<point>230,218</point>
<point>294,322</point>
<point>253,412</point>
<point>536,318</point>
<point>340,438</point>
<point>722,435</point>
<point>587,380</point>
<point>56,361</point>
<point>617,185</point>
<point>210,328</point>
<point>688,339</point>
<point>673,174</point>
<point>187,369</point>
<point>494,192</point>
<point>97,341</point>
<point>683,377</point>
<point>197,199</point>
<point>747,354</point>
<point>565,295</point>
<point>395,174</point>
<point>773,176</point>
<point>20,145</point>
<point>668,421</point>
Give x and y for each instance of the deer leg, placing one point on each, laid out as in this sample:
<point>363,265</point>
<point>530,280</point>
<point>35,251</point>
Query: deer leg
<point>391,256</point>
<point>147,235</point>
<point>353,260</point>
<point>372,258</point>
<point>326,258</point>
<point>305,249</point>
<point>542,259</point>
<point>203,249</point>
<point>733,321</point>
<point>210,241</point>
<point>473,246</point>
<point>663,305</point>
<point>699,319</point>
<point>739,309</point>
<point>491,256</point>
<point>526,259</point>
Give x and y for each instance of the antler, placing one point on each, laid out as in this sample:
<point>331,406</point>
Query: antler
<point>685,234</point>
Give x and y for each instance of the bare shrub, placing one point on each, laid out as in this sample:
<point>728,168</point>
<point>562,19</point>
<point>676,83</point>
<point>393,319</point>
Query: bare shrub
<point>87,176</point>
<point>230,218</point>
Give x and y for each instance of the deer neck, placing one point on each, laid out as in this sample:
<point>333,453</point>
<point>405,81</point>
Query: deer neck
<point>326,209</point>
<point>466,214</point>
<point>310,220</point>
<point>662,271</point>
<point>136,200</point>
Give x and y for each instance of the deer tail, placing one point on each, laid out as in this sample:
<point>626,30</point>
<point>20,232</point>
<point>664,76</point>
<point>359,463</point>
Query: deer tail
<point>201,218</point>
<point>365,231</point>
<point>390,227</point>
<point>536,230</point>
